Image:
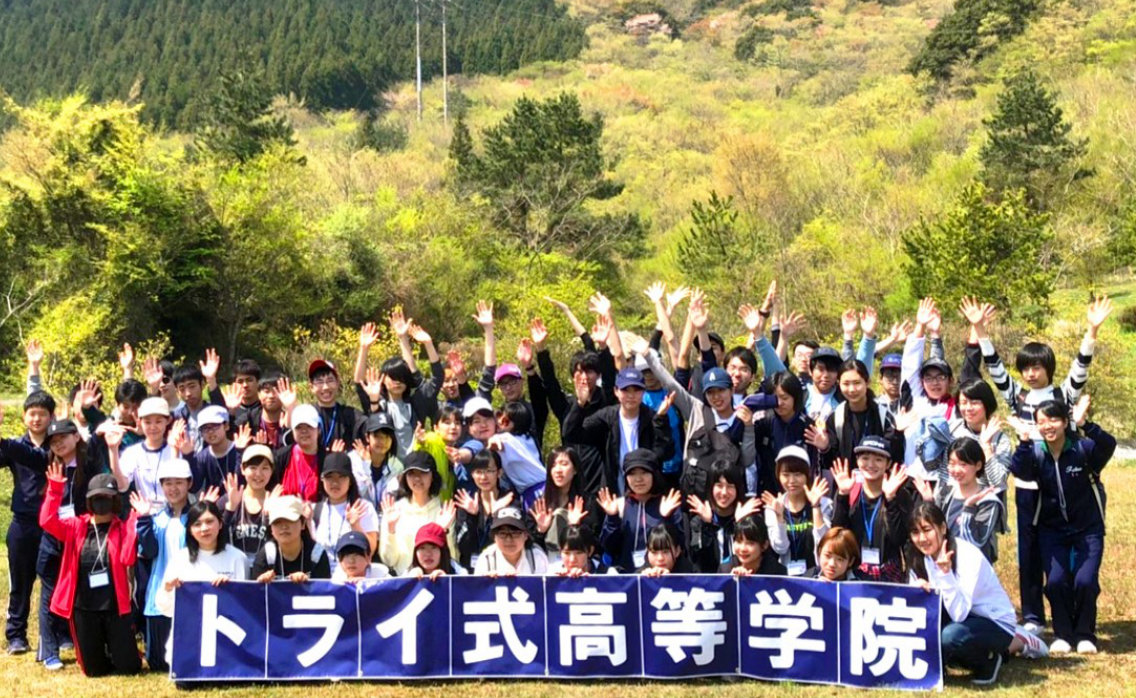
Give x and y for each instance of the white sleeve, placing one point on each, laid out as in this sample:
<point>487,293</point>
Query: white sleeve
<point>957,586</point>
<point>370,520</point>
<point>778,534</point>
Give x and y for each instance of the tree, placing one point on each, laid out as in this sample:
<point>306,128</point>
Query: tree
<point>971,31</point>
<point>540,166</point>
<point>1028,144</point>
<point>238,121</point>
<point>995,250</point>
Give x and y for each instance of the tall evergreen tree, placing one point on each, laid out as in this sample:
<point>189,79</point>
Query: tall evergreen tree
<point>238,122</point>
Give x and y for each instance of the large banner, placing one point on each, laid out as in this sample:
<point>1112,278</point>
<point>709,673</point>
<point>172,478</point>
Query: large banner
<point>670,627</point>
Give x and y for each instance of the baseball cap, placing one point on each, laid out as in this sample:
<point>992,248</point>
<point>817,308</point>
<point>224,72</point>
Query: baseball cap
<point>174,467</point>
<point>641,363</point>
<point>418,460</point>
<point>306,414</point>
<point>716,378</point>
<point>321,365</point>
<point>508,516</point>
<point>936,363</point>
<point>336,463</point>
<point>61,426</point>
<point>793,453</point>
<point>629,378</point>
<point>352,540</point>
<point>256,451</point>
<point>873,444</point>
<point>287,507</point>
<point>154,406</point>
<point>213,414</point>
<point>641,458</point>
<point>102,484</point>
<point>826,354</point>
<point>430,533</point>
<point>475,405</point>
<point>379,421</point>
<point>891,361</point>
<point>507,371</point>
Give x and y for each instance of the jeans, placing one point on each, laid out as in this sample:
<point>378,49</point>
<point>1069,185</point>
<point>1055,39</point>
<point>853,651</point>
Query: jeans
<point>969,644</point>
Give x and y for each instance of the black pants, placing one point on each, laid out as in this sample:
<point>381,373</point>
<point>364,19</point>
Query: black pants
<point>23,550</point>
<point>157,632</point>
<point>104,643</point>
<point>1031,564</point>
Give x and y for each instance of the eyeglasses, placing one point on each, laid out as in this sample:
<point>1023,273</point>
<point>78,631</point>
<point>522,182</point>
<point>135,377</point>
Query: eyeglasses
<point>510,534</point>
<point>935,377</point>
<point>324,382</point>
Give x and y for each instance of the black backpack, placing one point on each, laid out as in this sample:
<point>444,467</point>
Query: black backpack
<point>703,447</point>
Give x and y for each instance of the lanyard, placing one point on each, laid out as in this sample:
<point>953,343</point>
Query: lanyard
<point>102,546</point>
<point>869,523</point>
<point>327,439</point>
<point>794,537</point>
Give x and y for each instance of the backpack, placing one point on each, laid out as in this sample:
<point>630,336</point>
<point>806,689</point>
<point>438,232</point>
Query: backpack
<point>703,447</point>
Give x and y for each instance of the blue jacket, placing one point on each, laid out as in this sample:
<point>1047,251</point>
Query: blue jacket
<point>623,535</point>
<point>1072,496</point>
<point>152,537</point>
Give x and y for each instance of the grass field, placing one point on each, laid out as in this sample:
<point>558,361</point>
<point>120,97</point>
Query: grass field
<point>1110,673</point>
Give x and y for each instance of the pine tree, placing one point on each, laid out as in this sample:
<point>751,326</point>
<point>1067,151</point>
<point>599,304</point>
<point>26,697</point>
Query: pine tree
<point>1028,143</point>
<point>239,123</point>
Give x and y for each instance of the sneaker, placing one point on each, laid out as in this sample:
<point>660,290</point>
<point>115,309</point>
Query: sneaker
<point>17,646</point>
<point>1086,647</point>
<point>985,679</point>
<point>1034,628</point>
<point>66,645</point>
<point>1033,647</point>
<point>52,664</point>
<point>1060,646</point>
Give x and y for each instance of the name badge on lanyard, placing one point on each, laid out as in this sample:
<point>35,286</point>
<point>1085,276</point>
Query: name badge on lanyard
<point>870,556</point>
<point>66,511</point>
<point>795,568</point>
<point>98,579</point>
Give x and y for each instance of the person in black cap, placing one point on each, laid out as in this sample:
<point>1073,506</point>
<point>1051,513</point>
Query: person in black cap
<point>417,504</point>
<point>66,447</point>
<point>340,508</point>
<point>377,466</point>
<point>99,547</point>
<point>628,519</point>
<point>512,551</point>
<point>621,428</point>
<point>875,508</point>
<point>859,415</point>
<point>822,394</point>
<point>353,551</point>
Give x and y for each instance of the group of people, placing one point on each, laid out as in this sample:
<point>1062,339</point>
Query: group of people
<point>664,465</point>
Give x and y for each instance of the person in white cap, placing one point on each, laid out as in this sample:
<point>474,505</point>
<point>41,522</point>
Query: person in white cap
<point>218,457</point>
<point>291,555</point>
<point>138,465</point>
<point>298,466</point>
<point>160,534</point>
<point>243,508</point>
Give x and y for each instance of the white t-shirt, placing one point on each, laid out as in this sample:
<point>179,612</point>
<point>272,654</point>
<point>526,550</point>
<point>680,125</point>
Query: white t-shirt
<point>329,524</point>
<point>533,561</point>
<point>374,571</point>
<point>139,465</point>
<point>229,562</point>
<point>521,461</point>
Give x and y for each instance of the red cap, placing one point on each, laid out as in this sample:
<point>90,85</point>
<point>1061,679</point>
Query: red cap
<point>430,533</point>
<point>319,365</point>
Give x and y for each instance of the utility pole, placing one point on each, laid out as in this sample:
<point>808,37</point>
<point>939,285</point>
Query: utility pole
<point>445,74</point>
<point>418,54</point>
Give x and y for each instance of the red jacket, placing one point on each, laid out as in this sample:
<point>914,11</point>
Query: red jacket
<point>122,550</point>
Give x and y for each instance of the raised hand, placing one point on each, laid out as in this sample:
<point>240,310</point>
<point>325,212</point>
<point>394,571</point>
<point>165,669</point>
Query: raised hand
<point>210,365</point>
<point>152,372</point>
<point>338,446</point>
<point>971,309</point>
<point>599,304</point>
<point>178,439</point>
<point>355,512</point>
<point>286,393</point>
<point>775,503</point>
<point>496,505</point>
<point>770,297</point>
<point>55,472</point>
<point>975,498</point>
<point>468,504</point>
<point>700,508</point>
<point>899,332</point>
<point>373,385</point>
<point>924,489</point>
<point>926,311</point>
<point>139,503</point>
<point>1099,310</point>
<point>541,515</point>
<point>989,433</point>
<point>869,320</point>
<point>817,437</point>
<point>640,347</point>
<point>398,322</point>
<point>583,390</point>
<point>368,335</point>
<point>35,353</point>
<point>656,292</point>
<point>419,433</point>
<point>817,492</point>
<point>842,474</point>
<point>699,313</point>
<point>126,359</point>
<point>211,495</point>
<point>669,503</point>
<point>906,417</point>
<point>675,297</point>
<point>454,361</point>
<point>601,330</point>
<point>752,319</point>
<point>418,334</point>
<point>1021,428</point>
<point>576,511</point>
<point>114,435</point>
<point>609,504</point>
<point>849,322</point>
<point>88,394</point>
<point>945,559</point>
<point>538,332</point>
<point>390,511</point>
<point>1081,410</point>
<point>666,404</point>
<point>361,450</point>
<point>525,353</point>
<point>234,493</point>
<point>484,314</point>
<point>935,323</point>
<point>793,323</point>
<point>447,515</point>
<point>894,480</point>
<point>747,508</point>
<point>243,437</point>
<point>232,395</point>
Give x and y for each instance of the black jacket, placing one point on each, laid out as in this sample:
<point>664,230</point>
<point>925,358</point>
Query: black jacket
<point>600,428</point>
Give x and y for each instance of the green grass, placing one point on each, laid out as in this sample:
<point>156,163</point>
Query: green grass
<point>1110,673</point>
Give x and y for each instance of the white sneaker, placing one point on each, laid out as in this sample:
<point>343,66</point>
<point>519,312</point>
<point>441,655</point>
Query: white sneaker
<point>1034,628</point>
<point>1060,646</point>
<point>1086,647</point>
<point>1033,646</point>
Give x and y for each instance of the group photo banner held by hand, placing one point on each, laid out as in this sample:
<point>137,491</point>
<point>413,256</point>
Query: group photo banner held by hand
<point>669,627</point>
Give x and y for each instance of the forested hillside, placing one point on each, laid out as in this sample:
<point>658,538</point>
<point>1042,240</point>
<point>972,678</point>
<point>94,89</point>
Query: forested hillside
<point>332,53</point>
<point>859,152</point>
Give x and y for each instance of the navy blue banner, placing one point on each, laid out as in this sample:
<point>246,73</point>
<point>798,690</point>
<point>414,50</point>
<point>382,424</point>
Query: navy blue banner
<point>675,626</point>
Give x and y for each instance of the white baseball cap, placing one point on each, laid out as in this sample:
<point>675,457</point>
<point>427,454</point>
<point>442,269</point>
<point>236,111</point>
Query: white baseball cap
<point>213,414</point>
<point>475,405</point>
<point>175,467</point>
<point>154,406</point>
<point>306,414</point>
